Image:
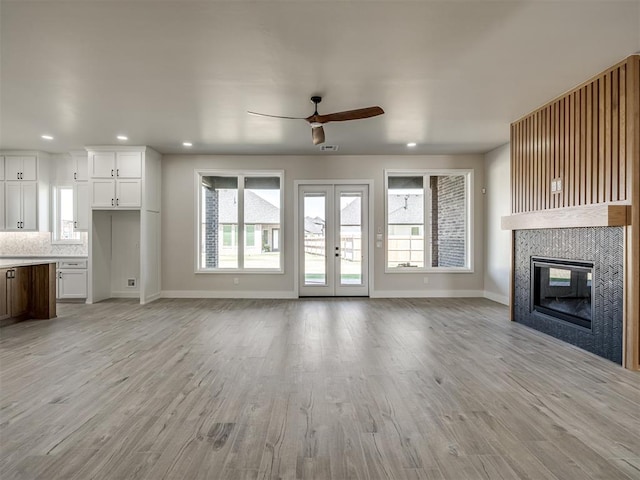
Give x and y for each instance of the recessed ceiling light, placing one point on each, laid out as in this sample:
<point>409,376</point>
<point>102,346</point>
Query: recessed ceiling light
<point>46,137</point>
<point>122,137</point>
<point>411,144</point>
<point>187,144</point>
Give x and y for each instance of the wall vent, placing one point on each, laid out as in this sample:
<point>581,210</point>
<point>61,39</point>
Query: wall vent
<point>328,148</point>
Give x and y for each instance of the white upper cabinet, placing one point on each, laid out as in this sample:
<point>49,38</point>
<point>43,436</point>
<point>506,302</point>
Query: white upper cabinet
<point>129,165</point>
<point>20,168</point>
<point>81,206</point>
<point>2,224</point>
<point>24,194</point>
<point>116,164</point>
<point>102,164</point>
<point>81,167</point>
<point>21,206</point>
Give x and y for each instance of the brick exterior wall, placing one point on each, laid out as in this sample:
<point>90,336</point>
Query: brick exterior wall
<point>448,226</point>
<point>211,228</point>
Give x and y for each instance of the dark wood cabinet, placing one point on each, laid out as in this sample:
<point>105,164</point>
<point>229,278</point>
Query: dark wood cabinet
<point>4,294</point>
<point>27,292</point>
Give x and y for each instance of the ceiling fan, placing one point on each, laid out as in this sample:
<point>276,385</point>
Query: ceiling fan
<point>316,120</point>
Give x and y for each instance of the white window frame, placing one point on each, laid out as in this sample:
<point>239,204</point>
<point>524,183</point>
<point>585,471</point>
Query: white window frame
<point>55,216</point>
<point>240,240</point>
<point>469,214</point>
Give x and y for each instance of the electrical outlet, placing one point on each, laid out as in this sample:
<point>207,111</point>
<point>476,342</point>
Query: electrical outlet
<point>131,282</point>
<point>236,281</point>
<point>425,280</point>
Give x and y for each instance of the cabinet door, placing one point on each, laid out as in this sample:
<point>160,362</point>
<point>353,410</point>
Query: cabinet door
<point>81,163</point>
<point>29,207</point>
<point>102,165</point>
<point>29,169</point>
<point>129,193</point>
<point>103,193</point>
<point>1,168</point>
<point>20,291</point>
<point>12,167</point>
<point>72,284</point>
<point>13,205</point>
<point>4,294</point>
<point>129,165</point>
<point>2,226</point>
<point>81,206</point>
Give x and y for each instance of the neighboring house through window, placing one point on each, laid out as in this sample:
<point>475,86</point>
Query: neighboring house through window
<point>240,221</point>
<point>428,220</point>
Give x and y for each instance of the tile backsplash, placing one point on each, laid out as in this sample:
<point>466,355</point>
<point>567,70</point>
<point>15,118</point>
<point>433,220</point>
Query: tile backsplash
<point>39,244</point>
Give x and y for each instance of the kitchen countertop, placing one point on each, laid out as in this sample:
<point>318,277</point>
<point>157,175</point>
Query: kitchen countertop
<point>27,260</point>
<point>24,262</point>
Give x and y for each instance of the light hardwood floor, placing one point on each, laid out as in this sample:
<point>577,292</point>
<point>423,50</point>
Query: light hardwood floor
<point>312,388</point>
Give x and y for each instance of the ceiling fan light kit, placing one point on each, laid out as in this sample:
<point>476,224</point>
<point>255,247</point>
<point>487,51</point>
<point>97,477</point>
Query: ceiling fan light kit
<point>316,120</point>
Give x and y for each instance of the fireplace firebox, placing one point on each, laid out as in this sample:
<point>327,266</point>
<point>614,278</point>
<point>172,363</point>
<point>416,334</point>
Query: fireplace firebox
<point>562,289</point>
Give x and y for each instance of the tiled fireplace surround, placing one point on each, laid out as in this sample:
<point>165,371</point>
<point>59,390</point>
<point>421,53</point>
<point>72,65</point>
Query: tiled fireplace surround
<point>604,246</point>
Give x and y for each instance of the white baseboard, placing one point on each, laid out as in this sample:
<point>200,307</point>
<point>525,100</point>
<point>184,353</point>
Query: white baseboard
<point>503,299</point>
<point>427,293</point>
<point>125,295</point>
<point>150,298</point>
<point>226,294</point>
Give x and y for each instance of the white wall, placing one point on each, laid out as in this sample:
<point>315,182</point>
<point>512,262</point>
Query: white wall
<point>497,243</point>
<point>179,217</point>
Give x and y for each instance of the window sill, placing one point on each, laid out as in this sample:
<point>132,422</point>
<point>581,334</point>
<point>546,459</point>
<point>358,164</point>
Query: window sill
<point>428,270</point>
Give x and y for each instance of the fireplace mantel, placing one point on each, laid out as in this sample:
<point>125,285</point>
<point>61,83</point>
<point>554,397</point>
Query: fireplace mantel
<point>598,215</point>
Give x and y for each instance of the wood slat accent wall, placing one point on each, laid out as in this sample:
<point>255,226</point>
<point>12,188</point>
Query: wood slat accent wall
<point>580,140</point>
<point>589,139</point>
<point>632,246</point>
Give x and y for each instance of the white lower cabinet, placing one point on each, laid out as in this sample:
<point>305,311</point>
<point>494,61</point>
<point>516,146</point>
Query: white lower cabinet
<point>72,280</point>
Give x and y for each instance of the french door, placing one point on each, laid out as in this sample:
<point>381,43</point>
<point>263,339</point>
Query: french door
<point>332,240</point>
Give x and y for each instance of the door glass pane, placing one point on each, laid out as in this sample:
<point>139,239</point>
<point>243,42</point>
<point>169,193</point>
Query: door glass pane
<point>315,253</point>
<point>261,218</point>
<point>351,239</point>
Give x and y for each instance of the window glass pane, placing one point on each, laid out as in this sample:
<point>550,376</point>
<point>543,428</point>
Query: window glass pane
<point>219,216</point>
<point>64,228</point>
<point>405,222</point>
<point>448,221</point>
<point>262,222</point>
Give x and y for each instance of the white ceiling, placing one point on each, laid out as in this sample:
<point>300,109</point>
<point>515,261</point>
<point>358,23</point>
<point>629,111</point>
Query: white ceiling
<point>451,75</point>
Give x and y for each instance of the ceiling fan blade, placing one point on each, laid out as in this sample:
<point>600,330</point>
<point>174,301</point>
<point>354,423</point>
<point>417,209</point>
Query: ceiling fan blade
<point>317,134</point>
<point>275,116</point>
<point>348,115</point>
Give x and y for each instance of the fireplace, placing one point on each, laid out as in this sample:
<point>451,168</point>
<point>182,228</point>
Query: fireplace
<point>580,297</point>
<point>563,289</point>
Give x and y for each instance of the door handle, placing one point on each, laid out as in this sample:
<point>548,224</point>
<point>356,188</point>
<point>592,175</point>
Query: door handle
<point>75,175</point>
<point>112,202</point>
<point>117,172</point>
<point>112,172</point>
